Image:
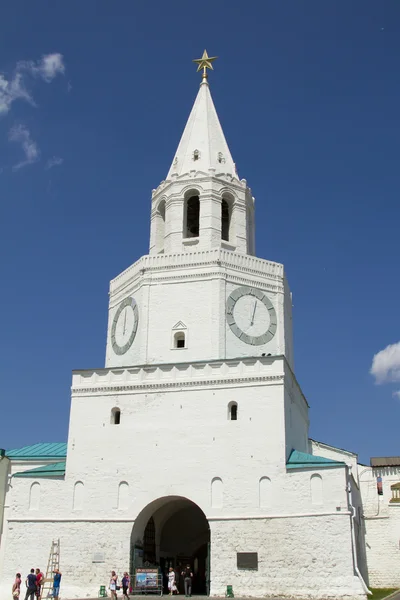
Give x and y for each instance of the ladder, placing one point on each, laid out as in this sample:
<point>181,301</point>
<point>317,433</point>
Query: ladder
<point>53,563</point>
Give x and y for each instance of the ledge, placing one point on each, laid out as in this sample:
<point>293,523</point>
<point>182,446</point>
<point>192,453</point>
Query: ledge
<point>226,373</point>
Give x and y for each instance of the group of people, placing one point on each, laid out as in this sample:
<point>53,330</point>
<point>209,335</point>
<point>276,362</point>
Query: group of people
<point>187,580</point>
<point>114,585</point>
<point>34,582</point>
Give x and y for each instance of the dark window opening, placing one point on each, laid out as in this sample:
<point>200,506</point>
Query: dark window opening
<point>192,217</point>
<point>233,411</point>
<point>196,155</point>
<point>225,220</point>
<point>179,340</point>
<point>149,542</point>
<point>115,416</point>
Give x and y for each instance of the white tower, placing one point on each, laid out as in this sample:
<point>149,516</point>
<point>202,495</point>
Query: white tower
<point>200,291</point>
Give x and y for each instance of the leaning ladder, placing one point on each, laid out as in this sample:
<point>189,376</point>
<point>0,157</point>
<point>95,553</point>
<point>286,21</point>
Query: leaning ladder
<point>54,563</point>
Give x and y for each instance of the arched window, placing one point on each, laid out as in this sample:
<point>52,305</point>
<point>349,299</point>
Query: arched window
<point>192,217</point>
<point>149,542</point>
<point>232,411</point>
<point>34,496</point>
<point>265,491</point>
<point>217,491</point>
<point>123,495</point>
<point>79,489</point>
<point>316,489</point>
<point>115,416</point>
<point>179,339</point>
<point>196,155</point>
<point>225,220</point>
<point>160,226</point>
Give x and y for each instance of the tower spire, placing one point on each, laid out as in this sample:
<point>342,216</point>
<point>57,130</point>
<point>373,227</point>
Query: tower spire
<point>203,145</point>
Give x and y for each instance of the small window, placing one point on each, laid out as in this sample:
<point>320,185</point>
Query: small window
<point>196,155</point>
<point>395,488</point>
<point>179,339</point>
<point>115,416</point>
<point>221,158</point>
<point>232,411</point>
<point>379,486</point>
<point>225,220</point>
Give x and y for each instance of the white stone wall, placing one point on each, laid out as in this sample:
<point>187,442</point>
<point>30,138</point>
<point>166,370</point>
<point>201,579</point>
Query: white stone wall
<point>298,557</point>
<point>382,526</point>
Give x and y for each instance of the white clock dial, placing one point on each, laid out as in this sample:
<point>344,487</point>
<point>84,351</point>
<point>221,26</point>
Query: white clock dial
<point>251,316</point>
<point>124,326</point>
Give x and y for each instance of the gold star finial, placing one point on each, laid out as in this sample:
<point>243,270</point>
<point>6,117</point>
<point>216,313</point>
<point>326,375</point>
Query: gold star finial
<point>205,63</point>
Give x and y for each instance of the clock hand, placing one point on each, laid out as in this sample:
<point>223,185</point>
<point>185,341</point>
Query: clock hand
<point>254,312</point>
<point>123,333</point>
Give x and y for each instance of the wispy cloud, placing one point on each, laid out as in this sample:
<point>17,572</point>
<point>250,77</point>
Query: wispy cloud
<point>21,135</point>
<point>55,161</point>
<point>396,394</point>
<point>386,364</point>
<point>14,88</point>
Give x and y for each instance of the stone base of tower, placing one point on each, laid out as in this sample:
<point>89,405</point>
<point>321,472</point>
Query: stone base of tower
<point>298,557</point>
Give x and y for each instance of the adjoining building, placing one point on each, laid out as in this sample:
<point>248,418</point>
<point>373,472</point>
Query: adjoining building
<point>191,445</point>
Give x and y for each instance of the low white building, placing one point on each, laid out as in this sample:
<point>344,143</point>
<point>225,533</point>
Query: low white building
<point>191,445</point>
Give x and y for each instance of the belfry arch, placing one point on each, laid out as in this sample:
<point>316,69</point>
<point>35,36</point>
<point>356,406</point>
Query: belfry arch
<point>173,531</point>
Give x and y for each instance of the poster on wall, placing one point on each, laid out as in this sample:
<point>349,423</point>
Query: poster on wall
<point>146,578</point>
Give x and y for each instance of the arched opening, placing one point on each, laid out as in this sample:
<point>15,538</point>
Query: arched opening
<point>115,416</point>
<point>317,493</point>
<point>225,219</point>
<point>173,532</point>
<point>160,226</point>
<point>179,339</point>
<point>192,225</point>
<point>34,496</point>
<point>232,411</point>
<point>79,491</point>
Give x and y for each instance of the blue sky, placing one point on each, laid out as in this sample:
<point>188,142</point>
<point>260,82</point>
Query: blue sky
<point>308,96</point>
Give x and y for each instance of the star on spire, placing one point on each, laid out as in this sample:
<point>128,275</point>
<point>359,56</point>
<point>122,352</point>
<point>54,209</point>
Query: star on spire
<point>205,63</point>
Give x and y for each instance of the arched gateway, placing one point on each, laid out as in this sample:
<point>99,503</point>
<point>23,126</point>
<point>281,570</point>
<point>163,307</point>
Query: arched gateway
<point>173,532</point>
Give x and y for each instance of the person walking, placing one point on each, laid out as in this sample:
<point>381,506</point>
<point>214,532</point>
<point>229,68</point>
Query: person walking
<point>113,585</point>
<point>171,581</point>
<point>39,582</point>
<point>126,580</point>
<point>56,583</point>
<point>187,579</point>
<point>30,585</point>
<point>16,588</point>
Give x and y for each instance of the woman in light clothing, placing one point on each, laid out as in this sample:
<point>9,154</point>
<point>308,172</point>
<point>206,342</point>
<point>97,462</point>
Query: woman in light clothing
<point>16,588</point>
<point>171,582</point>
<point>113,585</point>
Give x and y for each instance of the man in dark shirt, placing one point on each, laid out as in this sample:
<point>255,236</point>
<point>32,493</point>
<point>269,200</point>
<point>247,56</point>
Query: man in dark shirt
<point>30,585</point>
<point>187,574</point>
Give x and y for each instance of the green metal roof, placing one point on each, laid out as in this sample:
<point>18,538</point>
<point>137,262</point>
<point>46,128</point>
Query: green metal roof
<point>302,460</point>
<point>39,451</point>
<point>53,470</point>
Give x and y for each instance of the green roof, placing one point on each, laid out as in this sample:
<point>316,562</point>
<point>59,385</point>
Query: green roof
<point>41,451</point>
<point>302,460</point>
<point>53,470</point>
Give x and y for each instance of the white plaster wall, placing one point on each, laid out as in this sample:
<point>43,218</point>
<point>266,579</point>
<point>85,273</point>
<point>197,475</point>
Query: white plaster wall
<point>298,557</point>
<point>326,451</point>
<point>382,526</point>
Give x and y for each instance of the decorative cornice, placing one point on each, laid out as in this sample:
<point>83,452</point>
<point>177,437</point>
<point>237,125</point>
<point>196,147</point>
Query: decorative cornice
<point>113,389</point>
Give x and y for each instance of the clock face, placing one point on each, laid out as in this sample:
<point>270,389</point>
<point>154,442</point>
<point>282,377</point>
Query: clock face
<point>251,316</point>
<point>124,326</point>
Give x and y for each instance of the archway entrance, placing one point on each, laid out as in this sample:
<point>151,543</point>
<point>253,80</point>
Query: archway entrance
<point>173,532</point>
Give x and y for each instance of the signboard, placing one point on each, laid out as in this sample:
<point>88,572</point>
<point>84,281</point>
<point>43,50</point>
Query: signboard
<point>146,578</point>
<point>247,560</point>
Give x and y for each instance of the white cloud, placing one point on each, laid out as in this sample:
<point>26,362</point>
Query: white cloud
<point>396,394</point>
<point>386,364</point>
<point>11,90</point>
<point>55,161</point>
<point>21,135</point>
<point>47,68</point>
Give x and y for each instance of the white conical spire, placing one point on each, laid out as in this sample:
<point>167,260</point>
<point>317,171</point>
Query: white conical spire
<point>203,145</point>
